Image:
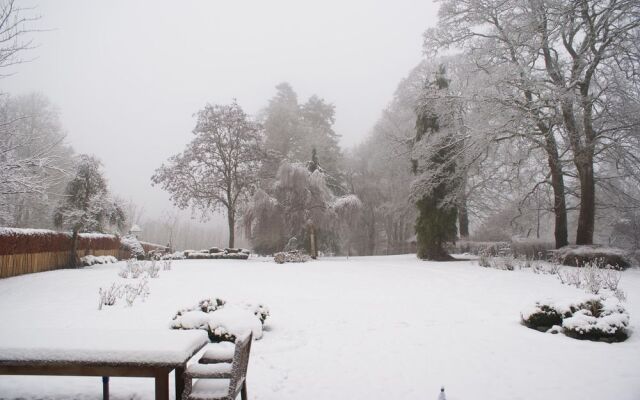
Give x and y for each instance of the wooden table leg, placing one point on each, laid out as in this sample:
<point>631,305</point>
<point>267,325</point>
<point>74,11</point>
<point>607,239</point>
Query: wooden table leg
<point>162,385</point>
<point>179,376</point>
<point>105,388</point>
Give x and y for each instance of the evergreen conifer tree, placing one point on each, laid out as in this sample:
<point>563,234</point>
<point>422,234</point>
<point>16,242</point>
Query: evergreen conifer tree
<point>433,162</point>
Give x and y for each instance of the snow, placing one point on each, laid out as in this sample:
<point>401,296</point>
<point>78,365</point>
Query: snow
<point>91,260</point>
<point>90,345</point>
<point>363,328</point>
<point>24,231</point>
<point>236,321</point>
<point>212,388</point>
<point>590,250</point>
<point>44,232</point>
<point>207,369</point>
<point>219,351</point>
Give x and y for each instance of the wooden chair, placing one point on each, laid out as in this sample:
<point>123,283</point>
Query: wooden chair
<point>221,380</point>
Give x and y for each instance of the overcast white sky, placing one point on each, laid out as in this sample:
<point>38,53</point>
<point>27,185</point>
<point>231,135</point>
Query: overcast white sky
<point>127,76</point>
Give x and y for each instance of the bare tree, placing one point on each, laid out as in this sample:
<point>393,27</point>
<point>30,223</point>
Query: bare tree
<point>15,23</point>
<point>555,56</point>
<point>219,167</point>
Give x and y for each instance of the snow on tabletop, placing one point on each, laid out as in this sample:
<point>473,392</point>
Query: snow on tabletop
<point>86,345</point>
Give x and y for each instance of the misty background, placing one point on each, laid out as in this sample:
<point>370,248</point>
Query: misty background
<point>127,77</point>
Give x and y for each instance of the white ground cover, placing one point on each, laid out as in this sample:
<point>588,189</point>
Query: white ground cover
<point>364,328</point>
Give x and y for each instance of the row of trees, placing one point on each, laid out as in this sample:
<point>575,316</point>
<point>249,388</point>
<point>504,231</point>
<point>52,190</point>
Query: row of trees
<point>562,80</point>
<point>280,175</point>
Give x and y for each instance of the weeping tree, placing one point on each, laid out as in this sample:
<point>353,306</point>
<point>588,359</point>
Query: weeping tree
<point>219,168</point>
<point>300,204</point>
<point>434,154</point>
<point>87,205</point>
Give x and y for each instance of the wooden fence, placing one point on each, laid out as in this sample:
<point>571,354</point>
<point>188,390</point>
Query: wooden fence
<point>27,263</point>
<point>24,251</point>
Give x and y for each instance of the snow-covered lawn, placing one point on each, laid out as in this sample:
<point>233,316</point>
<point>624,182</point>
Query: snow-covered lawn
<point>364,328</point>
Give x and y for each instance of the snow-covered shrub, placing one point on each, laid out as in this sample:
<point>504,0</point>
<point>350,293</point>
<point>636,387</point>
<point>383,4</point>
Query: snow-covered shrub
<point>506,263</point>
<point>210,305</point>
<point>598,318</point>
<point>227,323</point>
<point>141,290</point>
<point>543,316</point>
<point>260,311</point>
<point>166,264</point>
<point>603,256</point>
<point>92,260</point>
<point>227,254</point>
<point>133,269</point>
<point>604,319</point>
<point>484,260</point>
<point>178,255</point>
<point>293,256</point>
<point>532,249</point>
<point>223,322</point>
<point>108,297</point>
<point>153,269</point>
<point>590,277</point>
<point>593,278</point>
<point>569,276</point>
<point>132,244</point>
<point>478,248</point>
<point>611,279</point>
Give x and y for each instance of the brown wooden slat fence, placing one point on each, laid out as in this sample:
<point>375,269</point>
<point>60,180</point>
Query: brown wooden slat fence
<point>24,251</point>
<point>28,263</point>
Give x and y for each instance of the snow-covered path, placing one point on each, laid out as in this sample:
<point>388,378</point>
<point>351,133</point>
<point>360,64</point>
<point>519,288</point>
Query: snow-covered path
<point>365,328</point>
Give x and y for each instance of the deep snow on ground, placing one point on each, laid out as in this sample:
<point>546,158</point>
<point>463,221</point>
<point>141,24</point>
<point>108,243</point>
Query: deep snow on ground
<point>387,327</point>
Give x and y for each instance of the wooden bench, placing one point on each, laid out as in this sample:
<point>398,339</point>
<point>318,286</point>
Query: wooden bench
<point>218,377</point>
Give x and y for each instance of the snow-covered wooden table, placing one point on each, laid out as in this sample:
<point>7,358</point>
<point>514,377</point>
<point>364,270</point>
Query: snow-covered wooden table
<point>79,352</point>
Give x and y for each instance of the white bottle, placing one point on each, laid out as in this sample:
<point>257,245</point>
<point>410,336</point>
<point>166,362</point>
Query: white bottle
<point>442,396</point>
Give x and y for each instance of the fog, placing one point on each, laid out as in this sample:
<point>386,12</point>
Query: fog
<point>127,77</point>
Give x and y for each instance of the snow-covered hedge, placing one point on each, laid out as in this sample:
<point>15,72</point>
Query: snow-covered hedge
<point>580,255</point>
<point>222,321</point>
<point>216,254</point>
<point>92,260</point>
<point>477,248</point>
<point>21,241</point>
<point>596,318</point>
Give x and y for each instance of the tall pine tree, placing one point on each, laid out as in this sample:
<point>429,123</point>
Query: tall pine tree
<point>434,163</point>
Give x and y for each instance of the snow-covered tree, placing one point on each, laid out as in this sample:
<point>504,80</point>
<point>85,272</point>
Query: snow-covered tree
<point>293,130</point>
<point>219,167</point>
<point>554,64</point>
<point>300,204</point>
<point>87,206</point>
<point>434,158</point>
<point>33,160</point>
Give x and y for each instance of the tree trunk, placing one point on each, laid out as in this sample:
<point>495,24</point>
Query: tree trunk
<point>586,218</point>
<point>557,183</point>
<point>231,218</point>
<point>73,258</point>
<point>371,236</point>
<point>312,242</point>
<point>463,218</point>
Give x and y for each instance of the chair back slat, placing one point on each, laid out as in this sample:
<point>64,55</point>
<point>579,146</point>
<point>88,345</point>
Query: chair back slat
<point>240,363</point>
